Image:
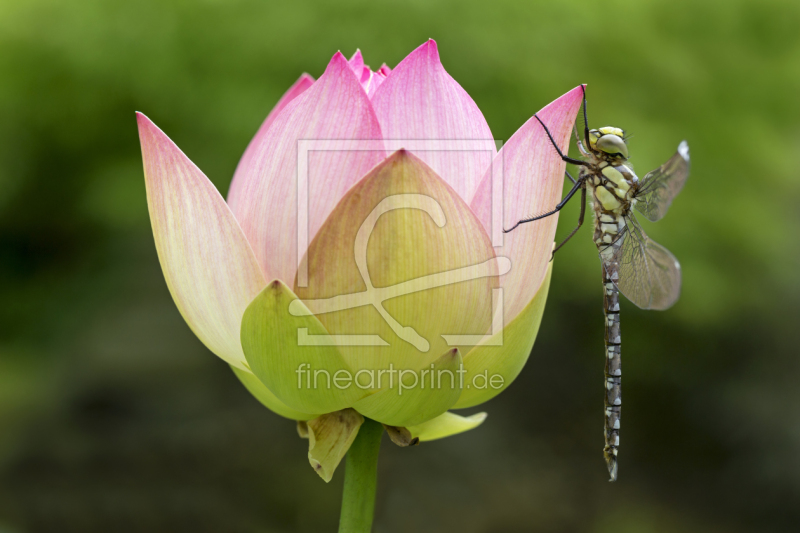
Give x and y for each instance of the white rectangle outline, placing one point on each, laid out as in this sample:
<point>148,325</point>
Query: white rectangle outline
<point>305,146</point>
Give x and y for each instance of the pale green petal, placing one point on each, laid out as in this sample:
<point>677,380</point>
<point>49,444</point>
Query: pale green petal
<point>438,387</point>
<point>485,361</point>
<point>329,438</point>
<point>445,425</point>
<point>302,377</point>
<point>208,264</point>
<point>428,260</point>
<point>265,396</point>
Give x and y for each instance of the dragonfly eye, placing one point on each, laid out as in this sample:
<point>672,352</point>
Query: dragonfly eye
<point>612,144</point>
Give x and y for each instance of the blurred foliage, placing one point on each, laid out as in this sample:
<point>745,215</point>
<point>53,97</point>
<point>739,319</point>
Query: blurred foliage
<point>114,417</point>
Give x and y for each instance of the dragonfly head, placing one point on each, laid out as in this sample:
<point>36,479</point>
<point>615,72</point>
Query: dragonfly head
<point>609,141</point>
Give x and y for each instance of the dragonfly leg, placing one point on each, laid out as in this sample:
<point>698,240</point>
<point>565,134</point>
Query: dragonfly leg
<point>585,117</point>
<point>579,142</point>
<point>560,153</point>
<point>580,223</point>
<point>562,203</point>
<point>570,177</point>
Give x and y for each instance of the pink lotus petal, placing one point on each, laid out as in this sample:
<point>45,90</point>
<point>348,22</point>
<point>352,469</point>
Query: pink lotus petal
<point>303,82</point>
<point>299,87</point>
<point>533,175</point>
<point>334,108</point>
<point>369,80</point>
<point>209,267</point>
<point>378,77</point>
<point>420,101</point>
<point>357,63</point>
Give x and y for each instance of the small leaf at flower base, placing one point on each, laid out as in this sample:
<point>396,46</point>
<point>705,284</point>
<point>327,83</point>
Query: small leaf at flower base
<point>445,425</point>
<point>265,396</point>
<point>485,362</point>
<point>416,396</point>
<point>329,438</point>
<point>301,376</point>
<point>302,429</point>
<point>401,436</point>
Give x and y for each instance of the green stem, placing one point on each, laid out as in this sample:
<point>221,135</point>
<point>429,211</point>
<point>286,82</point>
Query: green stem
<point>360,479</point>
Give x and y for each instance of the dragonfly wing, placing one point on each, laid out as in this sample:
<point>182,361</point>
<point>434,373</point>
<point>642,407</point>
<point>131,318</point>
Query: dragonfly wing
<point>661,186</point>
<point>646,272</point>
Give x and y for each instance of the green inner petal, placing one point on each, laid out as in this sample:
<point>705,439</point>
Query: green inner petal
<point>302,376</point>
<point>416,396</point>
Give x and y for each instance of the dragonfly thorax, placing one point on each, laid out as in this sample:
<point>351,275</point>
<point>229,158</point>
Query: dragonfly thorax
<point>612,185</point>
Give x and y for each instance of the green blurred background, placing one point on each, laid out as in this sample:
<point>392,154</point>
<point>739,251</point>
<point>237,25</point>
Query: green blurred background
<point>113,417</point>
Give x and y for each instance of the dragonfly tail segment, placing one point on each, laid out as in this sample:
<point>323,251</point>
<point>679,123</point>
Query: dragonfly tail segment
<point>613,372</point>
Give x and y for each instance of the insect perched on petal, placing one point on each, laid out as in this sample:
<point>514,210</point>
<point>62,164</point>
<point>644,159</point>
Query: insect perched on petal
<point>643,270</point>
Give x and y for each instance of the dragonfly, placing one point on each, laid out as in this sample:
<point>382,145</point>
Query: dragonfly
<point>642,270</point>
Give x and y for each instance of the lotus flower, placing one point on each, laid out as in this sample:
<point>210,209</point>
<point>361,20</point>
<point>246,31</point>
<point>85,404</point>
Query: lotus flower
<point>251,285</point>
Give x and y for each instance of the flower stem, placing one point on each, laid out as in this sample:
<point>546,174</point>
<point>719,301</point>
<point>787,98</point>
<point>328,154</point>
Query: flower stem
<point>360,479</point>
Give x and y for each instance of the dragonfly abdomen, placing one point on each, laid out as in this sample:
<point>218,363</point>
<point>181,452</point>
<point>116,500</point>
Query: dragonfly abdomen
<point>607,228</point>
<point>613,374</point>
